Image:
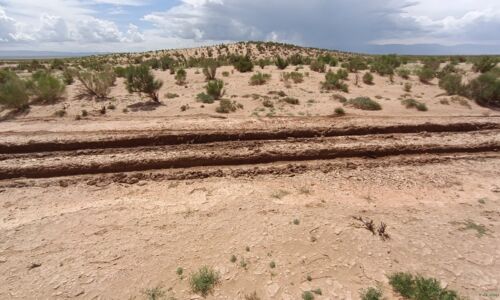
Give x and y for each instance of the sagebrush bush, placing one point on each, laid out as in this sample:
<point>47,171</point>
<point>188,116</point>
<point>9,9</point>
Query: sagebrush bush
<point>407,87</point>
<point>180,76</point>
<point>46,87</point>
<point>342,74</point>
<point>356,63</point>
<point>296,77</point>
<point>452,84</point>
<point>412,103</point>
<point>259,78</point>
<point>13,91</point>
<point>204,281</point>
<point>140,79</point>
<point>371,294</point>
<point>485,89</point>
<point>97,83</point>
<point>215,89</point>
<point>484,64</point>
<point>68,76</point>
<point>318,66</point>
<point>243,64</point>
<point>227,106</point>
<point>364,103</point>
<point>368,78</point>
<point>210,70</point>
<point>385,64</point>
<point>403,73</point>
<point>333,81</point>
<point>339,111</point>
<point>420,288</point>
<point>281,63</point>
<point>425,75</point>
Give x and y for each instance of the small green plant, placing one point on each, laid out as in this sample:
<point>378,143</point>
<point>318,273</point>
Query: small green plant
<point>180,77</point>
<point>412,103</point>
<point>68,76</point>
<point>407,87</point>
<point>154,293</point>
<point>339,111</point>
<point>272,265</point>
<point>85,113</point>
<point>267,103</point>
<point>243,263</point>
<point>339,98</point>
<point>179,271</point>
<point>296,221</point>
<point>307,295</point>
<point>225,74</point>
<point>425,75</point>
<point>227,106</point>
<point>259,78</point>
<point>296,77</point>
<point>141,79</point>
<point>371,293</point>
<point>171,95</point>
<point>243,64</point>
<point>233,258</point>
<point>309,278</point>
<point>204,280</point>
<point>210,70</point>
<point>403,73</point>
<point>204,98</point>
<point>281,63</point>
<point>215,89</point>
<point>317,291</point>
<point>368,78</point>
<point>46,87</point>
<point>364,103</point>
<point>290,100</point>
<point>318,66</point>
<point>420,288</point>
<point>334,81</point>
<point>479,228</point>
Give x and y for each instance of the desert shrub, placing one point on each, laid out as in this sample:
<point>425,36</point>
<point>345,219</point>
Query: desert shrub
<point>290,100</point>
<point>364,103</point>
<point>425,75</point>
<point>13,90</point>
<point>484,64</point>
<point>339,111</point>
<point>227,106</point>
<point>68,76</point>
<point>296,77</point>
<point>267,103</point>
<point>259,78</point>
<point>243,64</point>
<point>281,63</point>
<point>156,293</point>
<point>57,64</point>
<point>356,63</point>
<point>215,89</point>
<point>225,74</point>
<point>97,83</point>
<point>385,64</point>
<point>307,295</point>
<point>339,98</point>
<point>141,79</point>
<point>420,288</point>
<point>485,89</point>
<point>403,73</point>
<point>431,63</point>
<point>452,84</point>
<point>368,78</point>
<point>371,294</point>
<point>252,296</point>
<point>204,280</point>
<point>342,74</point>
<point>120,72</point>
<point>46,87</point>
<point>180,76</point>
<point>334,82</point>
<point>210,70</point>
<point>412,103</point>
<point>171,95</point>
<point>204,98</point>
<point>447,69</point>
<point>318,66</point>
<point>328,59</point>
<point>407,87</point>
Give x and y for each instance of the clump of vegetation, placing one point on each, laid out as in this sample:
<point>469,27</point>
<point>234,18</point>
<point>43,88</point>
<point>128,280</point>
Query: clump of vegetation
<point>179,271</point>
<point>425,75</point>
<point>259,78</point>
<point>339,98</point>
<point>368,78</point>
<point>171,95</point>
<point>215,89</point>
<point>243,64</point>
<point>233,258</point>
<point>227,106</point>
<point>267,103</point>
<point>210,70</point>
<point>334,81</point>
<point>97,83</point>
<point>364,103</point>
<point>412,103</point>
<point>486,88</point>
<point>318,66</point>
<point>156,293</point>
<point>204,280</point>
<point>180,77</point>
<point>252,296</point>
<point>371,293</point>
<point>281,63</point>
<point>68,76</point>
<point>385,64</point>
<point>484,64</point>
<point>225,74</point>
<point>339,111</point>
<point>46,87</point>
<point>407,87</point>
<point>452,84</point>
<point>291,100</point>
<point>419,287</point>
<point>13,91</point>
<point>272,265</point>
<point>356,63</point>
<point>403,73</point>
<point>470,225</point>
<point>141,79</point>
<point>307,295</point>
<point>296,77</point>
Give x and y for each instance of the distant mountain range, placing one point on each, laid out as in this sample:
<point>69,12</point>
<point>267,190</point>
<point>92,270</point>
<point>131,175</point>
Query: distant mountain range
<point>26,54</point>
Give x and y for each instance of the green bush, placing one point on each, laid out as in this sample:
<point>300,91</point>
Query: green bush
<point>13,91</point>
<point>210,70</point>
<point>97,83</point>
<point>281,63</point>
<point>420,288</point>
<point>339,111</point>
<point>432,63</point>
<point>368,78</point>
<point>180,76</point>
<point>215,88</point>
<point>307,295</point>
<point>484,64</point>
<point>204,281</point>
<point>385,64</point>
<point>46,87</point>
<point>333,81</point>
<point>243,64</point>
<point>364,103</point>
<point>227,106</point>
<point>356,63</point>
<point>425,75</point>
<point>296,77</point>
<point>371,294</point>
<point>403,73</point>
<point>68,76</point>
<point>452,84</point>
<point>485,89</point>
<point>412,103</point>
<point>407,87</point>
<point>259,78</point>
<point>318,66</point>
<point>204,98</point>
<point>120,72</point>
<point>342,74</point>
<point>140,79</point>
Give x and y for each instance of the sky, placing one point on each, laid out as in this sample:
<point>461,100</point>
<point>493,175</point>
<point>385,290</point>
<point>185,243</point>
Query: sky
<point>373,26</point>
